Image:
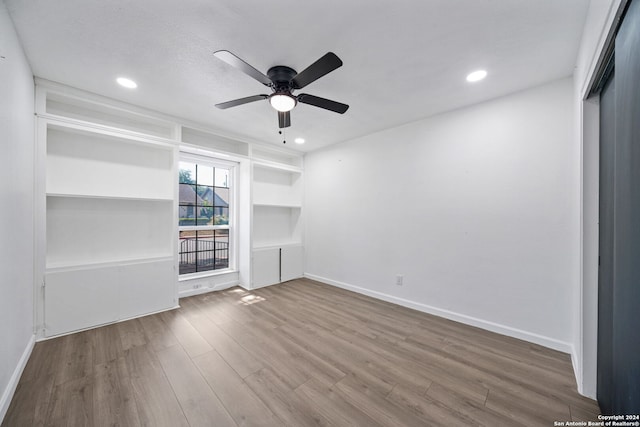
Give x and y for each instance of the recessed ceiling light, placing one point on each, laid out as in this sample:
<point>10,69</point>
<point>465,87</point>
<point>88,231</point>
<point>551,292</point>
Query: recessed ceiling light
<point>476,76</point>
<point>299,140</point>
<point>128,83</point>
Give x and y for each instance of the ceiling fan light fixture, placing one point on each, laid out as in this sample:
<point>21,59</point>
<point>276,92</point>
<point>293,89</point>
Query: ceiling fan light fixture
<point>282,102</point>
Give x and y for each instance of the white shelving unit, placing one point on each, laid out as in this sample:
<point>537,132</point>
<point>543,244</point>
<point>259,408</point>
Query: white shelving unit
<point>277,249</point>
<point>106,229</point>
<point>110,225</point>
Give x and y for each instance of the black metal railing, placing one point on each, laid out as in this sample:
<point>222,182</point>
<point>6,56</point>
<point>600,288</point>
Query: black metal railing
<point>202,255</point>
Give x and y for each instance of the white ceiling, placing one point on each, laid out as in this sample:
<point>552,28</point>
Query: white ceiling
<point>403,59</point>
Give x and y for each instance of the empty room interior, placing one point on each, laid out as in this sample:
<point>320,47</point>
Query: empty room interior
<point>335,213</point>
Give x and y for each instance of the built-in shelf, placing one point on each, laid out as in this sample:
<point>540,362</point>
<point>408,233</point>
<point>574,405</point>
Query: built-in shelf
<point>277,249</point>
<point>277,166</point>
<point>110,219</point>
<point>262,246</point>
<point>276,187</point>
<point>67,105</point>
<point>110,197</point>
<point>94,230</point>
<point>62,267</point>
<point>92,164</point>
<point>214,142</point>
<point>279,205</point>
<point>276,225</point>
<point>273,156</point>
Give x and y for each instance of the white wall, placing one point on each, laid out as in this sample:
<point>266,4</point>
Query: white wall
<point>477,208</point>
<point>600,18</point>
<point>16,209</point>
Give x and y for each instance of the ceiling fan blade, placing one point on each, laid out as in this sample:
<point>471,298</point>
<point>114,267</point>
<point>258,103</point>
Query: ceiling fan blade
<point>284,119</point>
<point>313,72</point>
<point>236,102</point>
<point>327,104</point>
<point>238,63</point>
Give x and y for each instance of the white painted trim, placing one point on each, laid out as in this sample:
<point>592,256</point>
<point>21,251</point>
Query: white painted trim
<point>205,289</point>
<point>577,370</point>
<point>205,274</point>
<point>253,288</point>
<point>88,328</point>
<point>8,392</point>
<point>189,148</point>
<point>552,343</point>
<point>66,124</point>
<point>271,164</point>
<point>616,8</point>
<point>583,359</point>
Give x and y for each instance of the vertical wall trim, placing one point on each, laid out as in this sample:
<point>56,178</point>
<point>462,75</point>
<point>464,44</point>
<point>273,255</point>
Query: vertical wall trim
<point>8,392</point>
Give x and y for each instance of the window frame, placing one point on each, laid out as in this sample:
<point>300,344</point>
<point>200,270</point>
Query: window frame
<point>212,161</point>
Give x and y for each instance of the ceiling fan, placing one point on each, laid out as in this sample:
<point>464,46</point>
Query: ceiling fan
<point>283,81</point>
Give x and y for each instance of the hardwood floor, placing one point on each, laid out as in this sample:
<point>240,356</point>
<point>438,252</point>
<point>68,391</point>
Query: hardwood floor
<point>296,354</point>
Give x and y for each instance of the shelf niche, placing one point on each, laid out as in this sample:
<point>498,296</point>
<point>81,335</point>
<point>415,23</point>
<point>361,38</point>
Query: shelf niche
<point>214,142</point>
<point>106,115</point>
<point>89,164</point>
<point>82,231</point>
<point>276,187</point>
<point>276,226</point>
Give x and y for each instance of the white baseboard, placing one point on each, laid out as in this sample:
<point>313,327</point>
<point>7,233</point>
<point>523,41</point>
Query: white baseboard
<point>542,340</point>
<point>253,288</point>
<point>577,370</point>
<point>10,389</point>
<point>88,328</point>
<point>205,289</point>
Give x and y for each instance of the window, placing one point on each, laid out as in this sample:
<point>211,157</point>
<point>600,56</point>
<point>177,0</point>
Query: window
<point>205,220</point>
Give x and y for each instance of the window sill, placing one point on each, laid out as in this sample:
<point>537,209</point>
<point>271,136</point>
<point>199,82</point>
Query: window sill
<point>193,276</point>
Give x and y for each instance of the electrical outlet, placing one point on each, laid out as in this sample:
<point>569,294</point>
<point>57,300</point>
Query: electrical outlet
<point>399,279</point>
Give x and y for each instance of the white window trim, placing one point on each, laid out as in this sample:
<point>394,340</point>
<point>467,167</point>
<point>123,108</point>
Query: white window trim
<point>215,161</point>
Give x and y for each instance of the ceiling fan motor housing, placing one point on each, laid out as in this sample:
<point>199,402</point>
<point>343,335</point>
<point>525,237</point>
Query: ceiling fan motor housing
<point>281,76</point>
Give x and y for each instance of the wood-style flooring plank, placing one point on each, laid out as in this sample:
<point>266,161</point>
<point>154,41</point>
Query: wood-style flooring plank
<point>185,333</point>
<point>385,412</point>
<point>236,396</point>
<point>156,332</point>
<point>72,403</point>
<point>527,409</point>
<point>107,344</point>
<point>131,334</point>
<point>268,353</point>
<point>155,398</point>
<point>30,403</point>
<point>31,400</point>
<point>200,404</point>
<point>469,408</point>
<point>431,412</point>
<point>291,410</point>
<point>113,400</point>
<point>332,406</point>
<point>243,362</point>
<point>341,357</point>
<point>76,357</point>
